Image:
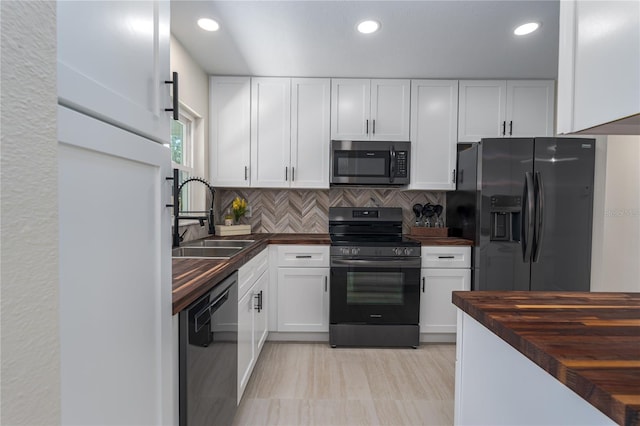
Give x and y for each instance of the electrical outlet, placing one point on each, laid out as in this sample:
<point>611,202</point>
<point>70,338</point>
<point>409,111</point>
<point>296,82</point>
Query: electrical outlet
<point>248,212</point>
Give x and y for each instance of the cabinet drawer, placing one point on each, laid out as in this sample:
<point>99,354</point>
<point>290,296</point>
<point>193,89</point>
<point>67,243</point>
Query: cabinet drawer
<point>299,256</point>
<point>251,271</point>
<point>446,257</point>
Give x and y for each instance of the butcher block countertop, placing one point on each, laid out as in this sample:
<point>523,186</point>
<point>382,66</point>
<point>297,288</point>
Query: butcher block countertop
<point>590,342</point>
<point>193,277</point>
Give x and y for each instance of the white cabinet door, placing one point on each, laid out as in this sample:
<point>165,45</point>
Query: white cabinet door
<point>390,101</point>
<point>481,109</point>
<point>303,299</point>
<point>113,60</point>
<point>599,82</point>
<point>230,131</point>
<point>437,313</point>
<point>310,132</point>
<point>261,307</point>
<point>350,109</point>
<point>530,109</point>
<point>246,354</point>
<point>434,125</point>
<point>270,132</point>
<point>115,275</point>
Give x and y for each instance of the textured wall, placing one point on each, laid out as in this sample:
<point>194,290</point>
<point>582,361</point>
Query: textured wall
<point>30,393</point>
<point>282,210</point>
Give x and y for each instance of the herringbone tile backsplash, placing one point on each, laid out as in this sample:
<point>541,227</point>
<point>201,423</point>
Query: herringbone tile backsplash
<point>307,211</point>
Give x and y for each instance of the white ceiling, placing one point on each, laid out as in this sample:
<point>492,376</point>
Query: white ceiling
<point>418,39</point>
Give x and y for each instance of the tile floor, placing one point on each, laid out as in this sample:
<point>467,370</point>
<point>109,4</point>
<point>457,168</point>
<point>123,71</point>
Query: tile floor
<point>313,384</point>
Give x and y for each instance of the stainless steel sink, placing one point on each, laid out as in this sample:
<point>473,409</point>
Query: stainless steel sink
<point>220,243</point>
<point>211,249</point>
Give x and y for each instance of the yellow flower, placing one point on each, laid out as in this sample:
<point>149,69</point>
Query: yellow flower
<point>239,207</point>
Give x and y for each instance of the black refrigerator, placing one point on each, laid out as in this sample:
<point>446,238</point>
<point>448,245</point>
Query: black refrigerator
<point>527,204</point>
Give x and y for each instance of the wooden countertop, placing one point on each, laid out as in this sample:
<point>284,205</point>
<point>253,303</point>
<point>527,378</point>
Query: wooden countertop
<point>193,277</point>
<point>590,342</point>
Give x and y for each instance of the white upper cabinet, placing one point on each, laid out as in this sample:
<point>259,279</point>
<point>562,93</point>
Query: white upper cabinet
<point>390,110</point>
<point>113,61</point>
<point>481,109</point>
<point>529,108</point>
<point>270,132</point>
<point>434,125</point>
<point>599,67</point>
<point>310,127</point>
<point>230,131</point>
<point>499,108</point>
<point>363,109</point>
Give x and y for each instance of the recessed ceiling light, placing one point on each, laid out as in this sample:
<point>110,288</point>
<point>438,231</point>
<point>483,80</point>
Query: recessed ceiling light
<point>368,27</point>
<point>208,24</point>
<point>526,28</point>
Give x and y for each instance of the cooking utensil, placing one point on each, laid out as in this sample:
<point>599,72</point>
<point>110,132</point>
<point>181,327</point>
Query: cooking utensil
<point>417,210</point>
<point>428,212</point>
<point>438,211</point>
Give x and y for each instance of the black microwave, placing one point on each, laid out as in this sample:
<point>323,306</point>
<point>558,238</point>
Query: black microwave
<point>370,163</point>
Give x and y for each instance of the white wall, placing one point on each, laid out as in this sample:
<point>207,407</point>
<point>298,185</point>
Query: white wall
<point>616,231</point>
<point>194,94</point>
<point>30,352</point>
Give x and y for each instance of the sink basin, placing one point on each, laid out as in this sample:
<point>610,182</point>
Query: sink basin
<point>220,243</point>
<point>211,249</point>
<point>206,252</point>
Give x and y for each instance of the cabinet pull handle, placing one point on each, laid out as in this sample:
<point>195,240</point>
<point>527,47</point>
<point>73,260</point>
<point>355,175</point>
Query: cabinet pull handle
<point>176,112</point>
<point>423,284</point>
<point>325,283</point>
<point>246,172</point>
<point>504,127</point>
<point>168,178</point>
<point>446,257</point>
<point>259,297</point>
<point>286,173</point>
<point>510,128</point>
<point>367,131</point>
<point>303,256</point>
<point>293,174</point>
<point>374,127</point>
<point>453,176</point>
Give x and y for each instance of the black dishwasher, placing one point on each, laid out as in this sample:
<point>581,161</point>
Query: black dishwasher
<point>209,357</point>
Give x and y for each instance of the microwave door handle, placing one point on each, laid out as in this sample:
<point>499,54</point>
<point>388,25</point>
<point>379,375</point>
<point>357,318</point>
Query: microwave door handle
<point>392,164</point>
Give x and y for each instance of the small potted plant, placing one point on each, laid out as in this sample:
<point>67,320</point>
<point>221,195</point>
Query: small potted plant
<point>239,207</point>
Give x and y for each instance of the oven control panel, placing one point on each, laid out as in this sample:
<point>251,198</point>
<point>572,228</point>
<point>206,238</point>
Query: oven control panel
<point>376,251</point>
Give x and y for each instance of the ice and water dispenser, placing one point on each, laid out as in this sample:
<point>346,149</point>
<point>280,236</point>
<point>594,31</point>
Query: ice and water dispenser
<point>506,216</point>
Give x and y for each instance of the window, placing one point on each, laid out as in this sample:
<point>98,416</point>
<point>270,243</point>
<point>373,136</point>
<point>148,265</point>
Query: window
<point>182,148</point>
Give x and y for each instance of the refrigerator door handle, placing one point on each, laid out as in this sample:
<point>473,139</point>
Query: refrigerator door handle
<point>527,226</point>
<point>539,227</point>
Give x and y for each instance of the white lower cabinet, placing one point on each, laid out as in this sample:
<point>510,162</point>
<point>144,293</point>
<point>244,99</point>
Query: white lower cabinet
<point>246,355</point>
<point>300,291</point>
<point>445,269</point>
<point>253,278</point>
<point>303,299</point>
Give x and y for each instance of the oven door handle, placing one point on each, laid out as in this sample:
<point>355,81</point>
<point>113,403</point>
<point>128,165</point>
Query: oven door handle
<point>378,262</point>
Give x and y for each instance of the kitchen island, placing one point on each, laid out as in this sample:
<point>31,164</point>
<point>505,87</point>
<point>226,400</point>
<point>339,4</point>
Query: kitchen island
<point>548,358</point>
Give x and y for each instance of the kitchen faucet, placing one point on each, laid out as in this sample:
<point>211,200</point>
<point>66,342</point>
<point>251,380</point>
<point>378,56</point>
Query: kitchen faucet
<point>177,187</point>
